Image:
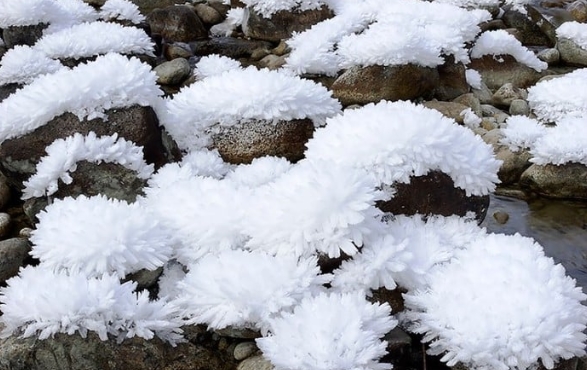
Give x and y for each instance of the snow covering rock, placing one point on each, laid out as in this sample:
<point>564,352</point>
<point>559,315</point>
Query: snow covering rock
<point>177,23</point>
<point>498,71</point>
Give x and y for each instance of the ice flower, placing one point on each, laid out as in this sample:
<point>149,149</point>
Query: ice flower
<point>245,289</point>
<point>574,31</point>
<point>329,331</point>
<point>522,132</point>
<point>259,172</point>
<point>63,155</point>
<point>562,143</point>
<point>96,235</point>
<point>22,64</point>
<point>395,141</point>
<point>269,7</point>
<point>77,303</point>
<point>500,304</point>
<point>121,10</point>
<point>212,65</point>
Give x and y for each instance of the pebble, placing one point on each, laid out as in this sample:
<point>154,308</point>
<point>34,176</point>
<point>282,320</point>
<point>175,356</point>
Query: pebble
<point>501,217</point>
<point>13,253</point>
<point>208,14</point>
<point>506,93</point>
<point>578,10</point>
<point>5,224</point>
<point>173,72</point>
<point>255,363</point>
<point>550,56</point>
<point>519,107</point>
<point>244,350</point>
<point>25,232</point>
<point>572,53</point>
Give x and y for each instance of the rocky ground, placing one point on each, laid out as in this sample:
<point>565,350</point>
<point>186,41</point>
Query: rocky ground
<point>184,35</point>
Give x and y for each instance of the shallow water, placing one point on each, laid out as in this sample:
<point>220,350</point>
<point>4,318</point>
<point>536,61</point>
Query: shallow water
<point>559,226</point>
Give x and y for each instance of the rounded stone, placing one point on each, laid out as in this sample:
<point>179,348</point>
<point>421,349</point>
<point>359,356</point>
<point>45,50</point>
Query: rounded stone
<point>13,253</point>
<point>173,72</point>
<point>208,14</point>
<point>550,55</point>
<point>501,217</point>
<point>507,93</point>
<point>255,363</point>
<point>177,23</point>
<point>571,53</point>
<point>568,181</point>
<point>244,350</point>
<point>578,10</point>
<point>519,107</point>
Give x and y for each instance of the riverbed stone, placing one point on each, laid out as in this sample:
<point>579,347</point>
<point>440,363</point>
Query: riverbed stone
<point>548,23</point>
<point>567,181</point>
<point>578,10</point>
<point>550,55</point>
<point>244,142</point>
<point>434,194</point>
<point>13,253</point>
<point>255,363</point>
<point>173,72</point>
<point>497,71</point>
<point>282,24</point>
<point>519,107</point>
<point>244,350</point>
<point>471,101</point>
<point>507,93</point>
<point>208,14</point>
<point>228,46</point>
<point>22,35</point>
<point>571,53</point>
<point>452,81</point>
<point>363,85</point>
<point>177,23</point>
<point>448,109</point>
<point>19,156</point>
<point>72,352</point>
<point>529,33</point>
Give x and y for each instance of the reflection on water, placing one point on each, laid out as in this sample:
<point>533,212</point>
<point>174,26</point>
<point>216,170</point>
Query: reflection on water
<point>560,227</point>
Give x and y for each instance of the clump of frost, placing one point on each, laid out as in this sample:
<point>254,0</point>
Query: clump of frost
<point>329,331</point>
<point>269,7</point>
<point>245,289</point>
<point>22,64</point>
<point>122,10</point>
<point>470,119</point>
<point>111,81</point>
<point>213,65</point>
<point>32,12</point>
<point>83,304</point>
<point>471,3</point>
<point>239,96</point>
<point>500,42</point>
<point>121,39</point>
<point>557,98</point>
<point>63,155</point>
<point>473,78</point>
<point>206,163</point>
<point>574,31</point>
<point>96,235</point>
<point>522,132</point>
<point>259,172</point>
<point>173,272</point>
<point>531,310</point>
<point>394,141</point>
<point>313,207</point>
<point>234,18</point>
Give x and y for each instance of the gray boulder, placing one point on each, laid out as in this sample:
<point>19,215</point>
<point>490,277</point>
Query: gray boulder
<point>568,181</point>
<point>571,53</point>
<point>177,23</point>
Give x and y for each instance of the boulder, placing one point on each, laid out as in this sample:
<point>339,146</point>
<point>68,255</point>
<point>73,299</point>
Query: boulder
<point>363,85</point>
<point>177,23</point>
<point>245,142</point>
<point>72,352</point>
<point>529,32</point>
<point>19,156</point>
<point>568,181</point>
<point>571,53</point>
<point>228,46</point>
<point>13,253</point>
<point>452,81</point>
<point>434,194</point>
<point>497,71</point>
<point>548,19</point>
<point>282,24</point>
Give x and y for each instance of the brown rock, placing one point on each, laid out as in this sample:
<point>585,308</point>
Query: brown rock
<point>19,156</point>
<point>452,81</point>
<point>282,24</point>
<point>362,85</point>
<point>578,10</point>
<point>5,192</point>
<point>568,181</point>
<point>548,20</point>
<point>514,164</point>
<point>255,363</point>
<point>434,194</point>
<point>448,109</point>
<point>208,14</point>
<point>245,142</point>
<point>177,23</point>
<point>471,101</point>
<point>501,217</point>
<point>498,71</point>
<point>507,93</point>
<point>228,46</point>
<point>147,6</point>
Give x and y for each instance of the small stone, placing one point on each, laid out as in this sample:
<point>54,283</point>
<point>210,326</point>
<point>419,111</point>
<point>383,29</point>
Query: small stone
<point>173,72</point>
<point>519,107</point>
<point>25,232</point>
<point>578,10</point>
<point>448,109</point>
<point>471,101</point>
<point>281,49</point>
<point>208,14</point>
<point>177,23</point>
<point>178,50</point>
<point>272,62</point>
<point>506,93</point>
<point>501,217</point>
<point>13,253</point>
<point>550,56</point>
<point>484,95</point>
<point>571,53</point>
<point>259,54</point>
<point>5,224</point>
<point>255,363</point>
<point>244,350</point>
<point>488,123</point>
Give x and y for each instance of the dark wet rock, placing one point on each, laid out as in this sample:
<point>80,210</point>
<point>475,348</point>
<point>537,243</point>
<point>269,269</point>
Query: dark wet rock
<point>434,194</point>
<point>177,23</point>
<point>245,142</point>
<point>31,208</point>
<point>5,193</point>
<point>145,279</point>
<point>448,109</point>
<point>571,53</point>
<point>13,253</point>
<point>72,352</point>
<point>5,224</point>
<point>22,35</point>
<point>529,33</point>
<point>173,72</point>
<point>548,20</point>
<point>7,90</point>
<point>19,156</point>
<point>452,81</point>
<point>399,349</point>
<point>362,85</point>
<point>497,71</point>
<point>228,46</point>
<point>394,298</point>
<point>568,181</point>
<point>282,24</point>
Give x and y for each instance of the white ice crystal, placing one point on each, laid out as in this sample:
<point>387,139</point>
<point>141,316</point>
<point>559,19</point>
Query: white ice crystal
<point>501,304</point>
<point>111,81</point>
<point>473,78</point>
<point>63,155</point>
<point>239,96</point>
<point>554,99</point>
<point>269,7</point>
<point>562,143</point>
<point>234,18</point>
<point>206,163</point>
<point>574,31</point>
<point>329,331</point>
<point>22,64</point>
<point>121,10</point>
<point>245,289</point>
<point>470,119</point>
<point>32,12</point>
<point>521,132</point>
<point>313,208</point>
<point>471,3</point>
<point>393,141</point>
<point>214,64</point>
<point>500,42</point>
<point>97,235</point>
<point>77,303</point>
<point>66,43</point>
<point>259,172</point>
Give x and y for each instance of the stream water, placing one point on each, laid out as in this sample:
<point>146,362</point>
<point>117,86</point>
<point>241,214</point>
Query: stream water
<point>559,226</point>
